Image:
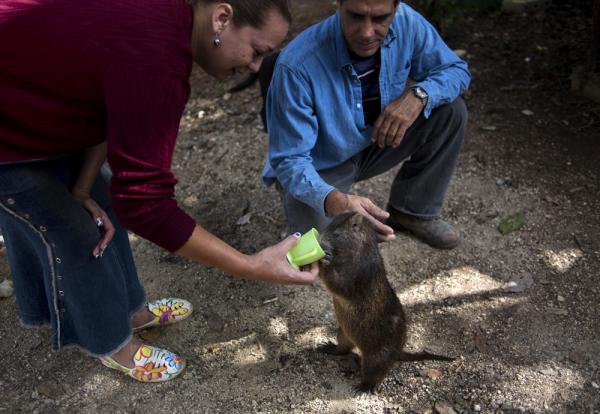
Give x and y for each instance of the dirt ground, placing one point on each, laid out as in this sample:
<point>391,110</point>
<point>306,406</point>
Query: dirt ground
<point>518,307</point>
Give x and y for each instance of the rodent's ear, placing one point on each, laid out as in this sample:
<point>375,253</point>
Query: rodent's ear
<point>357,219</point>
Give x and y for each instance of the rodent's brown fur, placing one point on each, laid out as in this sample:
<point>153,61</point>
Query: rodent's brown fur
<point>369,314</point>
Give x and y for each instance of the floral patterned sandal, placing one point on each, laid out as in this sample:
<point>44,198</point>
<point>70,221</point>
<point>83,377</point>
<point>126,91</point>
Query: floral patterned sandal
<point>151,365</point>
<point>167,311</point>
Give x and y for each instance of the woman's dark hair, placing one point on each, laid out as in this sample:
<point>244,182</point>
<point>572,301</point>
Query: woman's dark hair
<point>252,12</point>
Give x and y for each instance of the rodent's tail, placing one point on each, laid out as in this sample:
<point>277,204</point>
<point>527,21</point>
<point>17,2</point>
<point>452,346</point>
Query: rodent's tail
<point>422,356</point>
<point>246,83</point>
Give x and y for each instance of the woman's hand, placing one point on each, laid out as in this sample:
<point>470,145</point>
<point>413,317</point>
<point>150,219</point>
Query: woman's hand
<point>271,265</point>
<point>91,162</point>
<point>107,230</point>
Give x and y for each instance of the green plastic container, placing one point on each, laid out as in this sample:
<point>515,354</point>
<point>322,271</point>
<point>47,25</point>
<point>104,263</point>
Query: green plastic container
<point>307,250</point>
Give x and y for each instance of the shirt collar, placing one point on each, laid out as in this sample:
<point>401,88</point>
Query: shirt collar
<point>342,55</point>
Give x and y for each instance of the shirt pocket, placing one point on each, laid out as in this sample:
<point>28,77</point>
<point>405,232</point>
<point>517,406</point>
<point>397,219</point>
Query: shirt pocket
<point>400,81</point>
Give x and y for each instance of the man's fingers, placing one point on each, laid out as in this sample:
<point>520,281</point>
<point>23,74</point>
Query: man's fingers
<point>381,238</point>
<point>390,132</point>
<point>375,211</point>
<point>383,228</point>
<point>383,133</point>
<point>399,136</point>
<point>383,125</point>
<point>376,129</point>
<point>380,227</point>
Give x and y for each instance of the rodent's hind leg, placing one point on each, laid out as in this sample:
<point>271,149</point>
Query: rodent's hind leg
<point>374,369</point>
<point>343,347</point>
<point>330,348</point>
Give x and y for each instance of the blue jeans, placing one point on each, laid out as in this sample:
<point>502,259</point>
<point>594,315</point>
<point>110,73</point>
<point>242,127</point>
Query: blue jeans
<point>49,239</point>
<point>429,153</point>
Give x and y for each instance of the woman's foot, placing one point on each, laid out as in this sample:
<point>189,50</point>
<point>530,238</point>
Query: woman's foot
<point>161,312</point>
<point>124,356</point>
<point>141,317</point>
<point>145,363</point>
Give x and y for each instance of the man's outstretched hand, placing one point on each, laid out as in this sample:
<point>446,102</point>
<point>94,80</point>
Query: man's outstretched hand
<point>338,202</point>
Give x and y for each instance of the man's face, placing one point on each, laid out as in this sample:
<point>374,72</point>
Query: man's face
<point>365,24</point>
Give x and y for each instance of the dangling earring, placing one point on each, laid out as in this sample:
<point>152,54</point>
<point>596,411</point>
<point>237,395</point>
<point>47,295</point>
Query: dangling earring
<point>217,41</point>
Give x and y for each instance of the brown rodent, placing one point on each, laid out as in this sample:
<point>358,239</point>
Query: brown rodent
<point>369,314</point>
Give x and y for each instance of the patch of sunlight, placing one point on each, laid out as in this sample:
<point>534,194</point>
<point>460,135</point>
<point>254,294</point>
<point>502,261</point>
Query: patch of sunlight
<point>463,281</point>
<point>313,337</point>
<point>372,404</point>
<point>248,351</point>
<point>105,383</point>
<point>242,351</point>
<point>278,327</point>
<point>562,260</point>
<point>520,383</point>
<point>546,381</point>
<point>133,238</point>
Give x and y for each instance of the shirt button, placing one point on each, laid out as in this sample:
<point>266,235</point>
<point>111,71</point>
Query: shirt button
<point>58,260</point>
<point>42,228</point>
<point>358,106</point>
<point>59,277</point>
<point>61,293</point>
<point>10,201</point>
<point>27,216</point>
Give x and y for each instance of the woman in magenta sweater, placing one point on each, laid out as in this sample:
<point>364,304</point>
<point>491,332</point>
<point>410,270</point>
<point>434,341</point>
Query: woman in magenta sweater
<point>85,80</point>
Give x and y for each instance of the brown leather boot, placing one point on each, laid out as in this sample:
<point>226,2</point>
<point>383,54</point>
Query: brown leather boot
<point>435,232</point>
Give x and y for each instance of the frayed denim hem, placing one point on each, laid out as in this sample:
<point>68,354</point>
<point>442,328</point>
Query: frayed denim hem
<point>35,324</point>
<point>91,354</point>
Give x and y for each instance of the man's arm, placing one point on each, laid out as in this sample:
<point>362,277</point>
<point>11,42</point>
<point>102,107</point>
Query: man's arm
<point>435,67</point>
<point>293,130</point>
<point>437,70</point>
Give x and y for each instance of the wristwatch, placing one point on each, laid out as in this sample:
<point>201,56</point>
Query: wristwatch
<point>421,94</point>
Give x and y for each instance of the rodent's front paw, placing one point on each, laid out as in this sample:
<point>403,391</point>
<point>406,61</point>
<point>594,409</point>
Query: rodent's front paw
<point>326,260</point>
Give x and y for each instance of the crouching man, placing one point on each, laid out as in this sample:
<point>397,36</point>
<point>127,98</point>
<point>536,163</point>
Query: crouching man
<point>339,111</point>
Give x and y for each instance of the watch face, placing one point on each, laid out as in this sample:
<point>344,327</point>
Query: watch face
<point>421,94</point>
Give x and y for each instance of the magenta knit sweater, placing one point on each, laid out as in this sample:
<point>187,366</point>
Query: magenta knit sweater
<point>74,73</point>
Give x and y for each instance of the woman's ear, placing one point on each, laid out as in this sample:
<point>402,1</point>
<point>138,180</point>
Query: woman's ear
<point>222,17</point>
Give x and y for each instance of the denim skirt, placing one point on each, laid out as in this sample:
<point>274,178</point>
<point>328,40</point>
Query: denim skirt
<point>49,239</point>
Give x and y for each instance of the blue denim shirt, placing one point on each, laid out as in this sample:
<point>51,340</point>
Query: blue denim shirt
<point>314,105</point>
